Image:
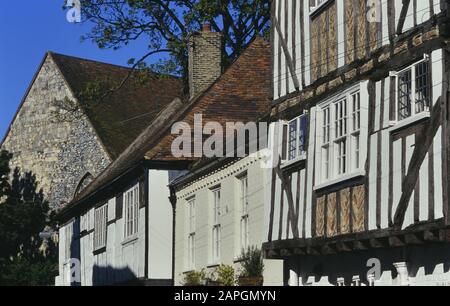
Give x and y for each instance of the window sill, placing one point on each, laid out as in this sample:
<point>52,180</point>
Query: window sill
<point>130,240</point>
<point>99,251</point>
<point>213,265</point>
<point>238,260</point>
<point>339,180</point>
<point>400,125</point>
<point>289,163</point>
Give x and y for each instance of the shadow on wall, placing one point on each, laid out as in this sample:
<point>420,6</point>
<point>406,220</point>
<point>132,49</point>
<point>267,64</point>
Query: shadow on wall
<point>109,276</point>
<point>422,261</point>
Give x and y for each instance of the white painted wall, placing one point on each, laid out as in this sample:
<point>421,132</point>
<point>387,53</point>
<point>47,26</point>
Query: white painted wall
<point>160,225</point>
<point>124,260</point>
<point>230,218</point>
<point>425,266</point>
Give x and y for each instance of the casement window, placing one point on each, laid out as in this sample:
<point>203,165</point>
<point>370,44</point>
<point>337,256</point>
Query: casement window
<point>244,209</point>
<point>216,225</point>
<point>100,227</point>
<point>131,212</point>
<point>191,232</point>
<point>413,90</point>
<point>340,139</point>
<point>326,143</point>
<point>297,138</point>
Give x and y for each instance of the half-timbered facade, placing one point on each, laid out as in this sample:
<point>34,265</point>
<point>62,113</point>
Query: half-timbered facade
<point>360,88</point>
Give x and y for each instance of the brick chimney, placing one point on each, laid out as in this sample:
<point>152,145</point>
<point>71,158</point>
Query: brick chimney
<point>205,59</point>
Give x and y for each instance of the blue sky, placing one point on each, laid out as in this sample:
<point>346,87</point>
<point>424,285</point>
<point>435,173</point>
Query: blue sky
<point>28,29</point>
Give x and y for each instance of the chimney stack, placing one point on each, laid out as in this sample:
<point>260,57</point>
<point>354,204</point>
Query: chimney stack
<point>205,59</point>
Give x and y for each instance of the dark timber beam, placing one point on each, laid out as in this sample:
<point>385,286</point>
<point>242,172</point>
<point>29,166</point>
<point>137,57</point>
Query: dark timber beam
<point>287,54</point>
<point>343,247</point>
<point>414,239</point>
<point>288,189</point>
<point>396,241</point>
<point>403,14</point>
<point>328,249</point>
<point>285,253</point>
<point>300,251</point>
<point>431,236</point>
<point>361,245</point>
<point>379,243</point>
<point>425,140</point>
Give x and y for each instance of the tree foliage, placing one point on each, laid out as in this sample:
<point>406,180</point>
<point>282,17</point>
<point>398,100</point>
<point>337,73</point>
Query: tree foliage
<point>166,24</point>
<point>24,213</point>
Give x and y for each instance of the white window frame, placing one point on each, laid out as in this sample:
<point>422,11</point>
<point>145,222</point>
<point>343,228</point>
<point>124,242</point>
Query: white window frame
<point>413,102</point>
<point>300,140</point>
<point>244,220</point>
<point>328,138</point>
<point>317,5</point>
<point>191,231</point>
<point>131,213</point>
<point>100,227</point>
<point>216,224</point>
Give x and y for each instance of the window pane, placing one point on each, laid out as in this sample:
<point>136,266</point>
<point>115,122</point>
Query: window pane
<point>303,137</point>
<point>342,157</point>
<point>292,140</point>
<point>404,95</point>
<point>326,162</point>
<point>422,87</point>
<point>326,125</point>
<point>356,117</point>
<point>341,118</point>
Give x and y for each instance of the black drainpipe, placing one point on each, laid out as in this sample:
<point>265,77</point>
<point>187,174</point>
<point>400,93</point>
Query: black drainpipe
<point>173,201</point>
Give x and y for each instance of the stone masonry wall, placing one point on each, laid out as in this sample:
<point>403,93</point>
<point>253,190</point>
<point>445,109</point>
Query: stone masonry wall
<point>59,153</point>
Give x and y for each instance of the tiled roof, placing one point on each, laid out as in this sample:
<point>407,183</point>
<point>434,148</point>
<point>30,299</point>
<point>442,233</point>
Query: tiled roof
<point>125,113</point>
<point>241,94</point>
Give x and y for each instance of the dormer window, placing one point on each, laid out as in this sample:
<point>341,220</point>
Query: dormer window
<point>413,90</point>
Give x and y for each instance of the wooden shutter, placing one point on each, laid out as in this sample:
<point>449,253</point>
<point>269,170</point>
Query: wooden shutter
<point>119,206</point>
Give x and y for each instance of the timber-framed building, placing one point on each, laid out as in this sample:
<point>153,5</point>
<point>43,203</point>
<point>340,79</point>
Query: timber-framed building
<point>361,88</point>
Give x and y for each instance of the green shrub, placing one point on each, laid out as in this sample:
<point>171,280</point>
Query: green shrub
<point>194,278</point>
<point>226,275</point>
<point>252,263</point>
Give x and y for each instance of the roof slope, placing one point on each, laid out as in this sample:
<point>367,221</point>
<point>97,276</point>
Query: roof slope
<point>125,113</point>
<point>242,93</point>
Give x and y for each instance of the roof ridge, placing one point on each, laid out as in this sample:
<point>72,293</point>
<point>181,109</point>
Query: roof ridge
<point>52,53</point>
<point>56,54</point>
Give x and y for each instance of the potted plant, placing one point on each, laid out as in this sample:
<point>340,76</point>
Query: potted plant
<point>194,278</point>
<point>225,276</point>
<point>252,267</point>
